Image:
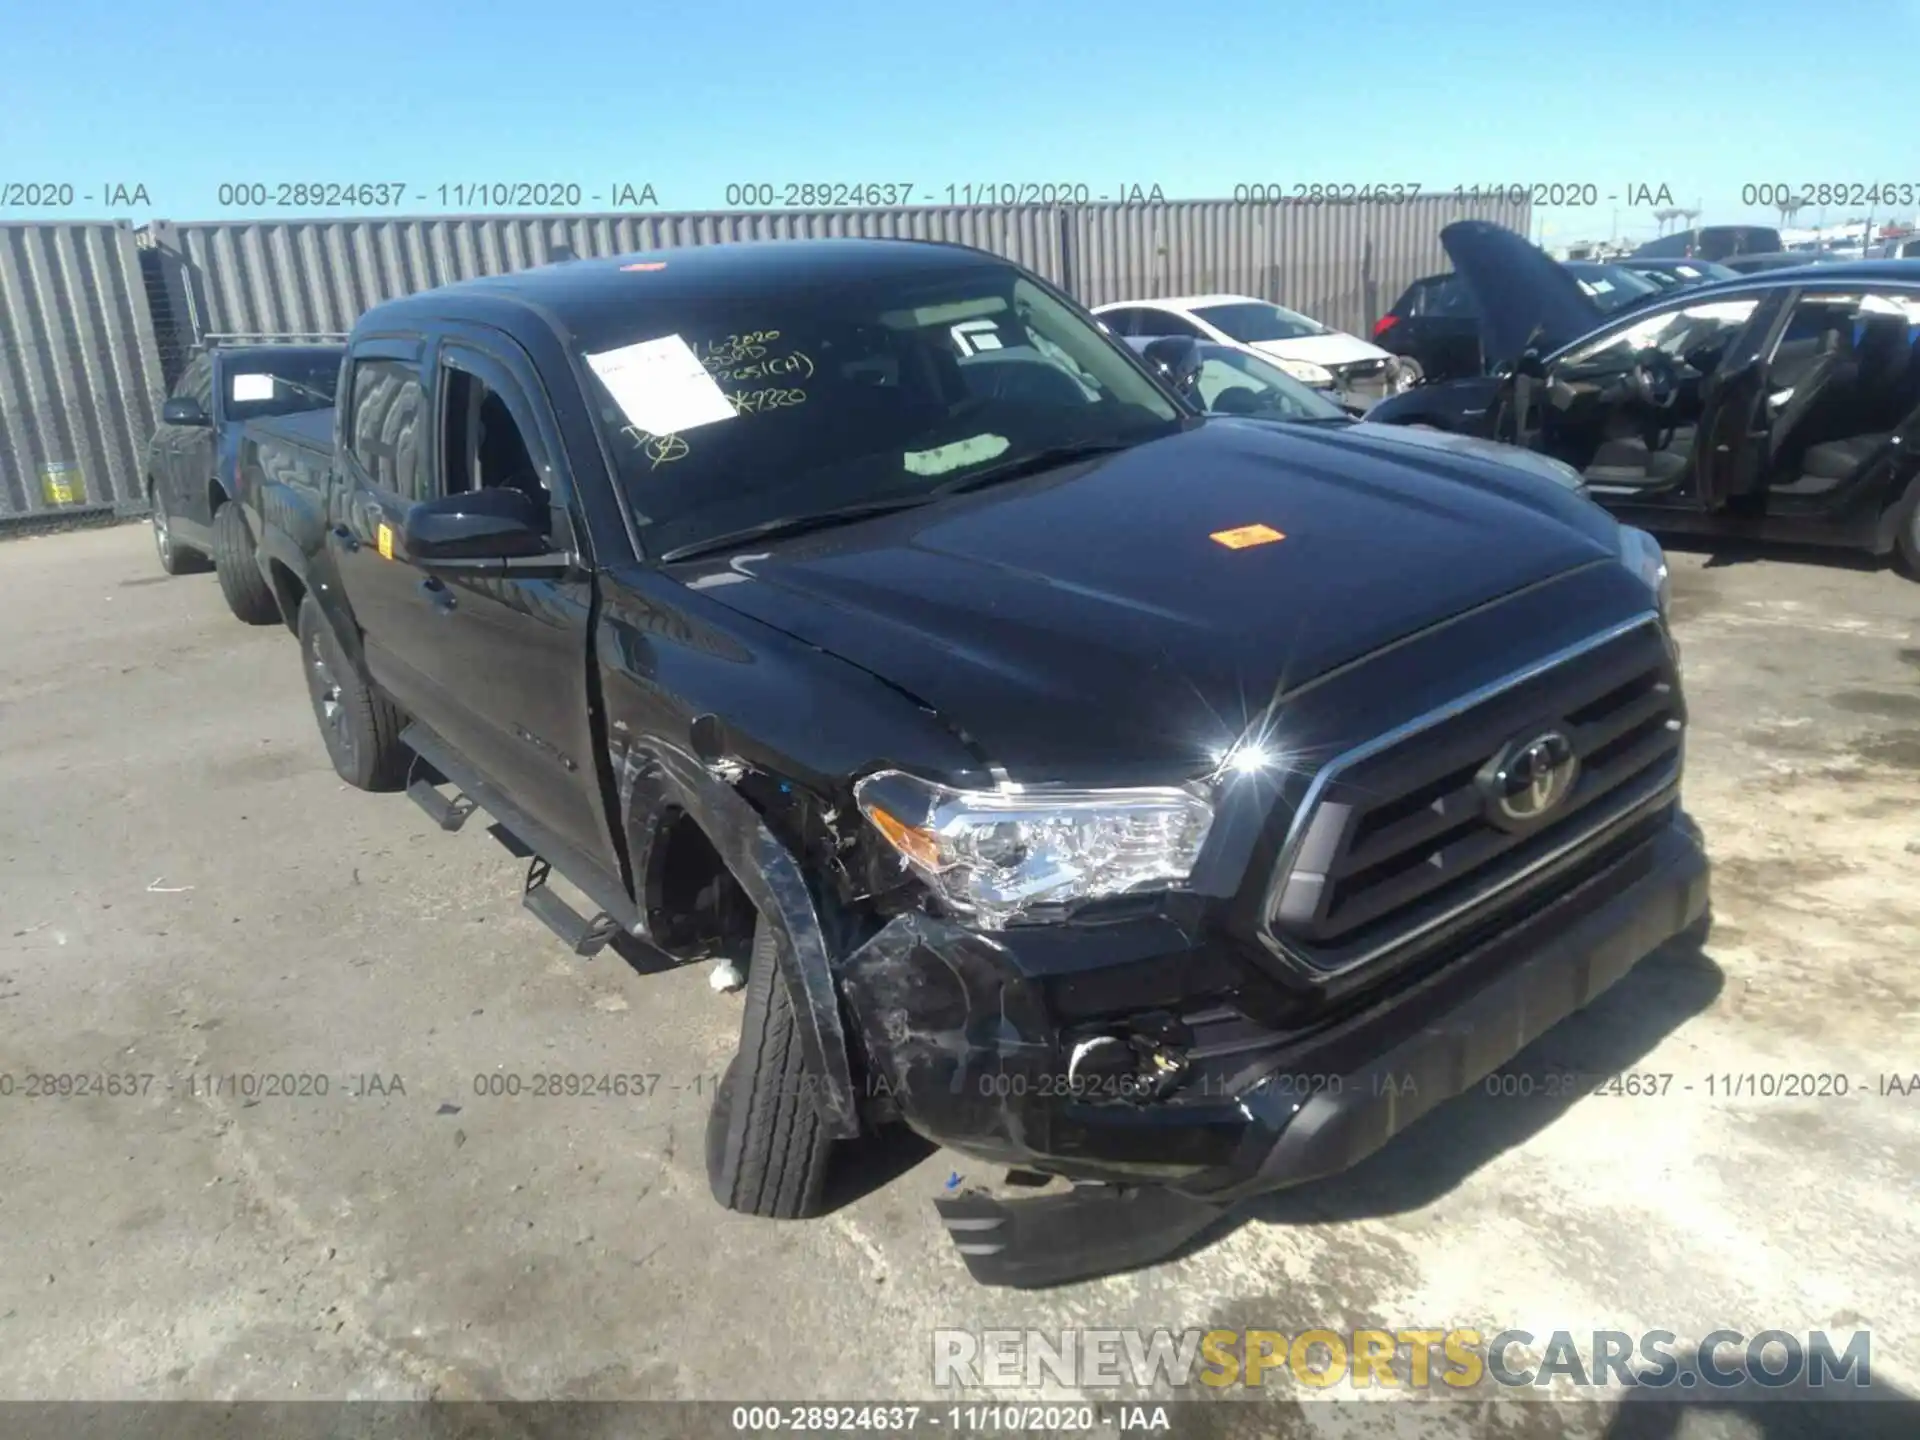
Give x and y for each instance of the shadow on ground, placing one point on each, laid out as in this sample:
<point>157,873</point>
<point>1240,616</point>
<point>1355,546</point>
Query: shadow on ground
<point>1611,1036</point>
<point>1722,552</point>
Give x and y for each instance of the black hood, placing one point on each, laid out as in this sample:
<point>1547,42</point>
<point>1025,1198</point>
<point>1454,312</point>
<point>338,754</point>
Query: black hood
<point>1526,299</point>
<point>1083,624</point>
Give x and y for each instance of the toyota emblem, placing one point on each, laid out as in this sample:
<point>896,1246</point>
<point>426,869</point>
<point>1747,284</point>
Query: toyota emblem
<point>1529,779</point>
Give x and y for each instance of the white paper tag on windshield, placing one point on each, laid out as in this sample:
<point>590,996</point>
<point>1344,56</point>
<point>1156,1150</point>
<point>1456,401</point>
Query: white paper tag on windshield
<point>252,387</point>
<point>661,386</point>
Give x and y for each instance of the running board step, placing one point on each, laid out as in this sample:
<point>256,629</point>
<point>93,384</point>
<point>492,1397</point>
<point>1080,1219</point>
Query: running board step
<point>449,812</point>
<point>585,937</point>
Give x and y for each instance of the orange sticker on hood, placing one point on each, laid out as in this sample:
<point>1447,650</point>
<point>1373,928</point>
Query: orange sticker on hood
<point>1245,535</point>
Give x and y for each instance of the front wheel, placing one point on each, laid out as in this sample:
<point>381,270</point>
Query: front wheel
<point>175,558</point>
<point>767,1147</point>
<point>1908,541</point>
<point>248,595</point>
<point>360,726</point>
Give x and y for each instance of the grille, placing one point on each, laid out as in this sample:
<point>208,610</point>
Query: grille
<point>1403,839</point>
<point>1360,370</point>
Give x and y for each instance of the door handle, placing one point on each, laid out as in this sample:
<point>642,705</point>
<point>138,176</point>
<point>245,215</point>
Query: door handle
<point>348,540</point>
<point>437,593</point>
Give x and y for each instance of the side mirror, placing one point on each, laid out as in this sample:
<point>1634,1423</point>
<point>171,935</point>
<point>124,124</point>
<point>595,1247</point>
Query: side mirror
<point>1530,364</point>
<point>1178,358</point>
<point>475,528</point>
<point>184,410</point>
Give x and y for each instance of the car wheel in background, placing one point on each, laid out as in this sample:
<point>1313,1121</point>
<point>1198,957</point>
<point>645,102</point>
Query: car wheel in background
<point>248,594</point>
<point>175,558</point>
<point>361,727</point>
<point>767,1147</point>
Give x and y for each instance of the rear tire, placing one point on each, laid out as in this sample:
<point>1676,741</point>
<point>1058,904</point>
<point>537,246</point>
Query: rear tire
<point>360,727</point>
<point>175,558</point>
<point>767,1147</point>
<point>235,561</point>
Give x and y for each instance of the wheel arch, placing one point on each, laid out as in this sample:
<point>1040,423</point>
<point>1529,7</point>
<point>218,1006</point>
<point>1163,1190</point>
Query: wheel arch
<point>661,790</point>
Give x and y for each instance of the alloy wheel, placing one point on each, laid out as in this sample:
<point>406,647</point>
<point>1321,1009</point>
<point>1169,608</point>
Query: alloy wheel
<point>329,702</point>
<point>162,534</point>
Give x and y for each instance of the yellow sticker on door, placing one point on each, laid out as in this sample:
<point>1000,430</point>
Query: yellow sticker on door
<point>386,542</point>
<point>1245,535</point>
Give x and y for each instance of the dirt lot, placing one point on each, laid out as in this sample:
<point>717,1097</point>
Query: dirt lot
<point>187,891</point>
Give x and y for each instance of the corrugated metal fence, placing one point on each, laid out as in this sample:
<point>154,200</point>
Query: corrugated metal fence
<point>80,377</point>
<point>96,328</point>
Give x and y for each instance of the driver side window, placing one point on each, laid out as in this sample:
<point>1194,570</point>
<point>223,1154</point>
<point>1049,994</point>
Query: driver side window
<point>482,445</point>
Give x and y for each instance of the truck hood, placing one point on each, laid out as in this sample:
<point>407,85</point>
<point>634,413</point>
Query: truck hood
<point>1526,299</point>
<point>1083,625</point>
<point>1531,461</point>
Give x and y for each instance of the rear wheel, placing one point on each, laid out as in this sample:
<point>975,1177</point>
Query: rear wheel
<point>175,558</point>
<point>767,1147</point>
<point>234,561</point>
<point>360,726</point>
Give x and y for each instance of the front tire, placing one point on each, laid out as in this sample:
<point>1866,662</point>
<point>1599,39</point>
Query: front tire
<point>235,562</point>
<point>1908,541</point>
<point>767,1147</point>
<point>361,727</point>
<point>175,558</point>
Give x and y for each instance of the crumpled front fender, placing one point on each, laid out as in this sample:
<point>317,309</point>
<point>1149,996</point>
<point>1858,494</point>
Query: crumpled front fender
<point>654,778</point>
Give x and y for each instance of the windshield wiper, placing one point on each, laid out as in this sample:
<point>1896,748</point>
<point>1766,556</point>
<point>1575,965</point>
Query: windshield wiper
<point>1052,457</point>
<point>794,525</point>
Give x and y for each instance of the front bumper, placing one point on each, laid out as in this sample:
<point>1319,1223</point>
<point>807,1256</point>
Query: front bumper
<point>968,1035</point>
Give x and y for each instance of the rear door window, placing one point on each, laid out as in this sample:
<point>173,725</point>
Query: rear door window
<point>1443,297</point>
<point>386,433</point>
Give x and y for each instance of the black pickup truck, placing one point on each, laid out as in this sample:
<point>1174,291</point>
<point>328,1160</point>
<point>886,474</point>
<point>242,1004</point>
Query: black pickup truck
<point>1177,805</point>
<point>191,462</point>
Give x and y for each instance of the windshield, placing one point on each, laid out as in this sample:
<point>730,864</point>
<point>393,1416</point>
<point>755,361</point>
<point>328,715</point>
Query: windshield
<point>1611,286</point>
<point>732,414</point>
<point>1251,321</point>
<point>1232,382</point>
<point>1679,332</point>
<point>262,385</point>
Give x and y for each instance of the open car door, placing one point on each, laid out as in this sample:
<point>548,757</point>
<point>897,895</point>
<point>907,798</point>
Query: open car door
<point>1738,407</point>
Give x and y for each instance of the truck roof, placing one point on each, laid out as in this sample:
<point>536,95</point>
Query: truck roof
<point>578,289</point>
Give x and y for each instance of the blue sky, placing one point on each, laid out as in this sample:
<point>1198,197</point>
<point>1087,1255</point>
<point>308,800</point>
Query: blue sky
<point>1197,97</point>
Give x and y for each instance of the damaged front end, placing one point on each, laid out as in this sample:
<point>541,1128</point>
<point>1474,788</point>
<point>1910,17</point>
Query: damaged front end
<point>1164,1072</point>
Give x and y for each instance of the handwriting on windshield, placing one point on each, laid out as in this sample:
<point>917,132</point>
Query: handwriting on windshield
<point>797,364</point>
<point>724,354</point>
<point>659,449</point>
<point>739,358</point>
<point>756,402</point>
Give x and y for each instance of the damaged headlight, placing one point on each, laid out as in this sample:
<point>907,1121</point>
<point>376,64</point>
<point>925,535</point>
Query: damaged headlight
<point>1641,554</point>
<point>994,854</point>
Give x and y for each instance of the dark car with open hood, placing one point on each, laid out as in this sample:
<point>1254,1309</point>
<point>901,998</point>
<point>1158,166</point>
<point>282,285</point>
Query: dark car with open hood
<point>1781,405</point>
<point>1176,804</point>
